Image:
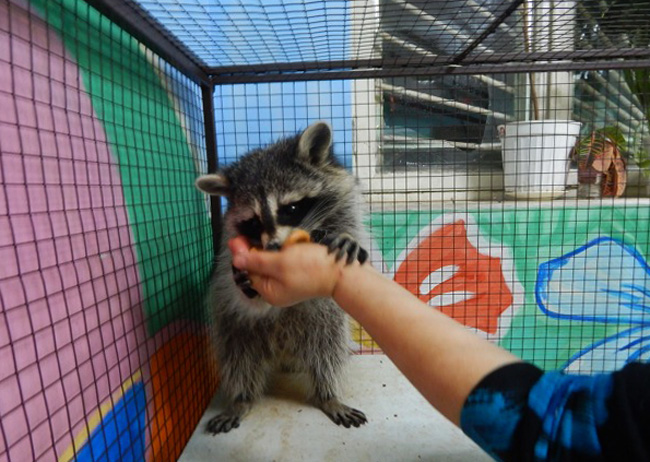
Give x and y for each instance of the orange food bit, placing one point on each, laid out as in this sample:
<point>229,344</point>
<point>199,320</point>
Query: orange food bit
<point>296,237</point>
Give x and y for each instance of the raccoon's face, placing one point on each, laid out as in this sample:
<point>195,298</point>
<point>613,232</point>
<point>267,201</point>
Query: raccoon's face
<point>270,219</point>
<point>294,183</point>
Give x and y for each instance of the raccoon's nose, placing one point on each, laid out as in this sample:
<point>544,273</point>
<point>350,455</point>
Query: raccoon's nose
<point>273,246</point>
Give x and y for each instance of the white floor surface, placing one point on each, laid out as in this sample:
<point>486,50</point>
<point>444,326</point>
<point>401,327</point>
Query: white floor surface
<point>401,426</point>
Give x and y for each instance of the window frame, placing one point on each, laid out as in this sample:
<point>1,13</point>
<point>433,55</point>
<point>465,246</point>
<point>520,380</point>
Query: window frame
<point>439,183</point>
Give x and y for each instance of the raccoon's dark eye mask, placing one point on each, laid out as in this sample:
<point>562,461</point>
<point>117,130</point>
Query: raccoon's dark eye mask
<point>287,215</point>
<point>292,214</point>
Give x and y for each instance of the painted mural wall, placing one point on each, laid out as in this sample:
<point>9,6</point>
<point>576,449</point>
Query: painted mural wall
<point>105,246</point>
<point>562,285</point>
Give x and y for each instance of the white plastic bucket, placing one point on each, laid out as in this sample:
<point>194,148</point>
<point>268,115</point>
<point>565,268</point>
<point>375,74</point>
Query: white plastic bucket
<point>536,157</point>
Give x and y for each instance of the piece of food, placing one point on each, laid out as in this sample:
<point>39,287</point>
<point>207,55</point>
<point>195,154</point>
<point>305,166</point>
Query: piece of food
<point>296,237</point>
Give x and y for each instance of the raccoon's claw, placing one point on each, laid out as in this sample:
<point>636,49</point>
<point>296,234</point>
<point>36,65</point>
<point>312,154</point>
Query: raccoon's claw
<point>363,255</point>
<point>230,418</point>
<point>354,418</point>
<point>351,418</point>
<point>344,415</point>
<point>243,282</point>
<point>223,423</point>
<point>344,244</point>
<point>318,235</point>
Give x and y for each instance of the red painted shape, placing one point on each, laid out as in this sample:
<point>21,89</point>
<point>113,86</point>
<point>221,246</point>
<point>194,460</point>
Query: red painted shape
<point>478,273</point>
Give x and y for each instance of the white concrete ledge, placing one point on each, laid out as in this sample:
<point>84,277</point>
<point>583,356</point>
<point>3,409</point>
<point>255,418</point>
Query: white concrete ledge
<point>401,426</point>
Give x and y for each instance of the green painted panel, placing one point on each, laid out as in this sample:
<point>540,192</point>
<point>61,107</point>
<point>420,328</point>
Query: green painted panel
<point>532,235</point>
<point>167,215</point>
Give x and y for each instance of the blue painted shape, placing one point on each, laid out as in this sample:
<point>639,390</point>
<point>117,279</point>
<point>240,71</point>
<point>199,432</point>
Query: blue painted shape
<point>613,352</point>
<point>603,281</point>
<point>121,434</point>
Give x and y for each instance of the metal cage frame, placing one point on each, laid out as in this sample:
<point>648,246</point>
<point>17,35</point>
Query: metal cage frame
<point>135,20</point>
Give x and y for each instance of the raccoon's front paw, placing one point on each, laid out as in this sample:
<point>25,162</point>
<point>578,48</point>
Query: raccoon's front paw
<point>341,414</point>
<point>343,244</point>
<point>223,423</point>
<point>243,282</point>
<point>230,418</point>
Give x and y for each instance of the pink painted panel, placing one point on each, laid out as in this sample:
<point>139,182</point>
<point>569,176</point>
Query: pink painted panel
<point>71,329</point>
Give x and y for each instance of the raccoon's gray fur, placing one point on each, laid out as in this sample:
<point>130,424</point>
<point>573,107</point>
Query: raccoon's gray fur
<point>294,183</point>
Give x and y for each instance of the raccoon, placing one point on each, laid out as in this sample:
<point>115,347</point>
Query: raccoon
<point>294,183</point>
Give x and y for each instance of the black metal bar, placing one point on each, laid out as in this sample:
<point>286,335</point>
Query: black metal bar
<point>302,66</point>
<point>402,66</point>
<point>138,22</point>
<point>497,68</point>
<point>558,55</point>
<point>207,94</point>
<point>491,28</point>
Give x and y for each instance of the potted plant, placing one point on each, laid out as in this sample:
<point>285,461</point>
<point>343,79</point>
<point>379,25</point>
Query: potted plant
<point>535,152</point>
<point>601,163</point>
<point>638,81</point>
<point>615,13</point>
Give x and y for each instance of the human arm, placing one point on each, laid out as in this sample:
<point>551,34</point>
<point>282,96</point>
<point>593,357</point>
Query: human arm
<point>512,409</point>
<point>442,359</point>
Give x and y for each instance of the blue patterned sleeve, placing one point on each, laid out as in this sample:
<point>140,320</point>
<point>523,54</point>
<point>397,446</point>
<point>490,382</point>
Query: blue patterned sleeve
<point>520,413</point>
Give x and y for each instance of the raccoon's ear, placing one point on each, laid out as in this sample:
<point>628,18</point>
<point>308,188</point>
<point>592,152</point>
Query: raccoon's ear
<point>215,184</point>
<point>314,144</point>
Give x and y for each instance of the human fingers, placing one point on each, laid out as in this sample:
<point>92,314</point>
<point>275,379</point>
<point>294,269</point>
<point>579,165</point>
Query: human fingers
<point>297,272</point>
<point>263,263</point>
<point>304,257</point>
<point>274,291</point>
<point>238,244</point>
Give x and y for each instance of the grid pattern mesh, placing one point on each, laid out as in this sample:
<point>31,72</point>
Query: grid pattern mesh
<point>536,241</point>
<point>253,32</point>
<point>104,248</point>
<point>235,33</point>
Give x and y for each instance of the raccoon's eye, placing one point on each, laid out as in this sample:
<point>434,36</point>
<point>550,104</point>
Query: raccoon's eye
<point>292,214</point>
<point>252,230</point>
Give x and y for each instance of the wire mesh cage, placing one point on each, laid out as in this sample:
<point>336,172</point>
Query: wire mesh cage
<point>104,250</point>
<point>502,149</point>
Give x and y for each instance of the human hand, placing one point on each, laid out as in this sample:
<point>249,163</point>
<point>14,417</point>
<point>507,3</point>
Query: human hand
<point>294,274</point>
